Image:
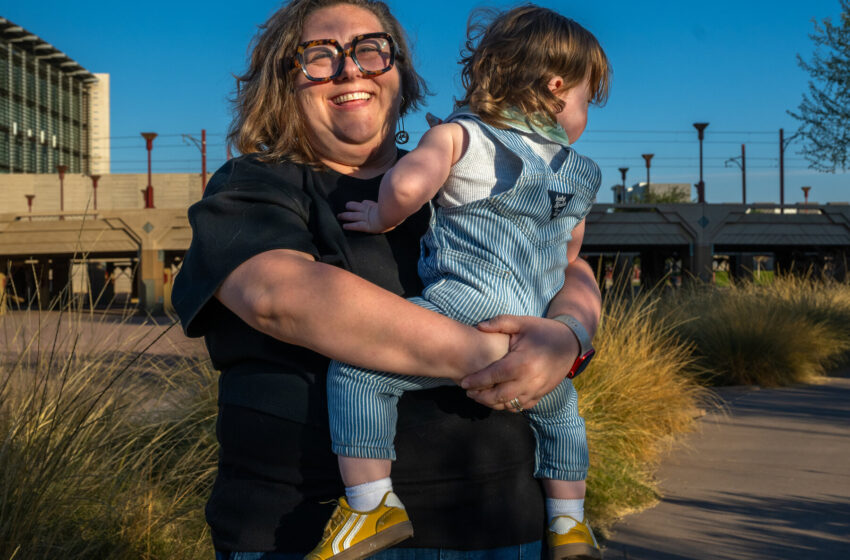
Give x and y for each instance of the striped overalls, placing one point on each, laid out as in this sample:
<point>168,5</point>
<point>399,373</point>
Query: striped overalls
<point>502,254</point>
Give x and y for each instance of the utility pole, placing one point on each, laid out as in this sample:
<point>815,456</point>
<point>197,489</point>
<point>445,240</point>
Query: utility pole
<point>781,171</point>
<point>783,143</point>
<point>201,145</point>
<point>743,165</point>
<point>701,135</point>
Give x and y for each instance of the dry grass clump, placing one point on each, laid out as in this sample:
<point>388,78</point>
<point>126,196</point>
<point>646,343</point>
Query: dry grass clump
<point>105,451</point>
<point>791,330</point>
<point>636,396</point>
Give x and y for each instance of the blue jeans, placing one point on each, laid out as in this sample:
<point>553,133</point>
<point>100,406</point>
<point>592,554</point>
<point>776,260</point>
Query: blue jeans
<point>530,551</point>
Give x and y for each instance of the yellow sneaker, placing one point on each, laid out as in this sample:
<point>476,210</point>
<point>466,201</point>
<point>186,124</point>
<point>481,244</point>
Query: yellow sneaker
<point>351,534</point>
<point>571,540</point>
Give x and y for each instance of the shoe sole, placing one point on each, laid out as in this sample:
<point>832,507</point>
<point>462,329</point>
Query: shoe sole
<point>382,541</point>
<point>575,551</point>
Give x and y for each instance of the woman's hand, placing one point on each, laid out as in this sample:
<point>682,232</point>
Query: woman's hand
<point>541,352</point>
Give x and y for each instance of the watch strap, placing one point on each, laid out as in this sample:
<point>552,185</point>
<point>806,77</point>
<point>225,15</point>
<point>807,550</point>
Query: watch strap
<point>584,340</point>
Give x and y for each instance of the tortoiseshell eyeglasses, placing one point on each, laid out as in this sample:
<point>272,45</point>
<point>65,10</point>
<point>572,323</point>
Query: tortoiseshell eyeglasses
<point>322,60</point>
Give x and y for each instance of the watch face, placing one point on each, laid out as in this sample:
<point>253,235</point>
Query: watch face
<point>581,363</point>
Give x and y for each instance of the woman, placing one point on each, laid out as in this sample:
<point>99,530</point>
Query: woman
<point>277,287</point>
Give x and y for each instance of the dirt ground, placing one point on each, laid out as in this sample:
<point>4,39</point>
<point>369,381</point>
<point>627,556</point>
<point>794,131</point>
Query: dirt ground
<point>95,331</point>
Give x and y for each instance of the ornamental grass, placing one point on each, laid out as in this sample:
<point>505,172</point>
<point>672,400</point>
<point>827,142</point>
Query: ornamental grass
<point>793,329</point>
<point>637,396</point>
<point>107,447</point>
<point>107,451</point>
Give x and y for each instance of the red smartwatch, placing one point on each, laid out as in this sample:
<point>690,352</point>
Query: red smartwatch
<point>586,351</point>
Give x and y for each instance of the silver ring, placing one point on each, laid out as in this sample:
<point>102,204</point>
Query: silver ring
<point>514,402</point>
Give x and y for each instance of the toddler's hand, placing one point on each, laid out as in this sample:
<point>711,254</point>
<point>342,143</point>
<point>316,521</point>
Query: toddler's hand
<point>541,353</point>
<point>362,216</point>
<point>493,347</point>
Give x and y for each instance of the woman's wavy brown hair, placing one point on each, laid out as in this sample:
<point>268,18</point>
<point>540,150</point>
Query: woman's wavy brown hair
<point>266,118</point>
<point>510,58</point>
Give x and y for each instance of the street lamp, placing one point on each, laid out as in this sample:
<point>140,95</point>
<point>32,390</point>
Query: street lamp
<point>149,136</point>
<point>647,158</point>
<point>30,198</point>
<point>623,174</point>
<point>806,195</point>
<point>701,135</point>
<point>94,180</point>
<point>61,169</point>
<point>743,165</point>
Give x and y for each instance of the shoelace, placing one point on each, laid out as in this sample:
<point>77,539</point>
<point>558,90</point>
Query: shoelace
<point>337,518</point>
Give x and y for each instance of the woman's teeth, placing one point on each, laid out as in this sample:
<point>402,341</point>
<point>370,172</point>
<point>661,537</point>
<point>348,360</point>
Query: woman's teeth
<point>339,100</point>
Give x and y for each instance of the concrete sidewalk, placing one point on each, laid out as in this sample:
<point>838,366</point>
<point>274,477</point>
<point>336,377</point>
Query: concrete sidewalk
<point>769,479</point>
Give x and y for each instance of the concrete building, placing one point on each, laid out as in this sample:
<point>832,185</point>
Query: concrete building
<point>47,101</point>
<point>100,125</point>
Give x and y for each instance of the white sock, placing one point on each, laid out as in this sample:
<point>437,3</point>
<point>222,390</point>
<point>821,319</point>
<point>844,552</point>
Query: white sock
<point>368,496</point>
<point>573,508</point>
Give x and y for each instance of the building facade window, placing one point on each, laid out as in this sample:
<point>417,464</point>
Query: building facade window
<point>44,95</point>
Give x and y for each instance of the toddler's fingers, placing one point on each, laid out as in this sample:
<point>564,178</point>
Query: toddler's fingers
<point>351,216</point>
<point>354,205</point>
<point>356,226</point>
<point>506,324</point>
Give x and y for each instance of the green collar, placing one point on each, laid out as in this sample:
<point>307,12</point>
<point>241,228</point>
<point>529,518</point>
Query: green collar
<point>520,121</point>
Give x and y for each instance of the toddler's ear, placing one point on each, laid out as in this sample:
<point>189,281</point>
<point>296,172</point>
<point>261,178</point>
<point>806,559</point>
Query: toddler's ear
<point>433,120</point>
<point>556,83</point>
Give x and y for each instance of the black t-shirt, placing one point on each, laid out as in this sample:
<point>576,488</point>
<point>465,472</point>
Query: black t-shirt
<point>463,471</point>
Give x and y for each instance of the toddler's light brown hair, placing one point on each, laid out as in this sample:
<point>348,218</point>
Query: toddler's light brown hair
<point>509,62</point>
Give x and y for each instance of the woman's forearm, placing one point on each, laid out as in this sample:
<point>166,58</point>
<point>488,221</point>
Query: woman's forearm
<point>288,296</point>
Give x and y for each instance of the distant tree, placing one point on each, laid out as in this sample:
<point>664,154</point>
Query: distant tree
<point>672,196</point>
<point>824,113</point>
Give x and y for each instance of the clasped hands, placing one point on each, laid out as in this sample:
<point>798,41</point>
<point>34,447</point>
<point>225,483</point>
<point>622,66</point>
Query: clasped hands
<point>540,353</point>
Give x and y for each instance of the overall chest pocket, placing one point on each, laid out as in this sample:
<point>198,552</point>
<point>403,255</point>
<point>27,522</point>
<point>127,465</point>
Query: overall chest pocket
<point>544,216</point>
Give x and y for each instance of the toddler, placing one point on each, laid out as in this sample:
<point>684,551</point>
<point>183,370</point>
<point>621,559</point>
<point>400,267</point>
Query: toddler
<point>509,190</point>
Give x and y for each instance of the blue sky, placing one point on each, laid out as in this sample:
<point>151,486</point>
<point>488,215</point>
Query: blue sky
<point>729,63</point>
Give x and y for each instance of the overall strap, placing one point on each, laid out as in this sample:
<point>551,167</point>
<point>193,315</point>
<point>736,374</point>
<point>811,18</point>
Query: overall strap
<point>531,161</point>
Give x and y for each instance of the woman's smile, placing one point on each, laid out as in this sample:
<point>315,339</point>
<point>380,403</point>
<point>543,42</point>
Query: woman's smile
<point>352,97</point>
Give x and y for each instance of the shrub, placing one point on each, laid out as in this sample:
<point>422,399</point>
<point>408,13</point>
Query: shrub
<point>790,330</point>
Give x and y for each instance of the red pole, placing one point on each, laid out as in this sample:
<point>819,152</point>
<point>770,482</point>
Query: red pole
<point>94,180</point>
<point>30,197</point>
<point>203,159</point>
<point>806,194</point>
<point>61,169</point>
<point>149,136</point>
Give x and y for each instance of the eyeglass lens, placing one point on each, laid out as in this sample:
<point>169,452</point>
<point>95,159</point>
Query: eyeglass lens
<point>371,54</point>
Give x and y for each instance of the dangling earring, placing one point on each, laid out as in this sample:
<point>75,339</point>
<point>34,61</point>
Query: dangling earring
<point>401,137</point>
